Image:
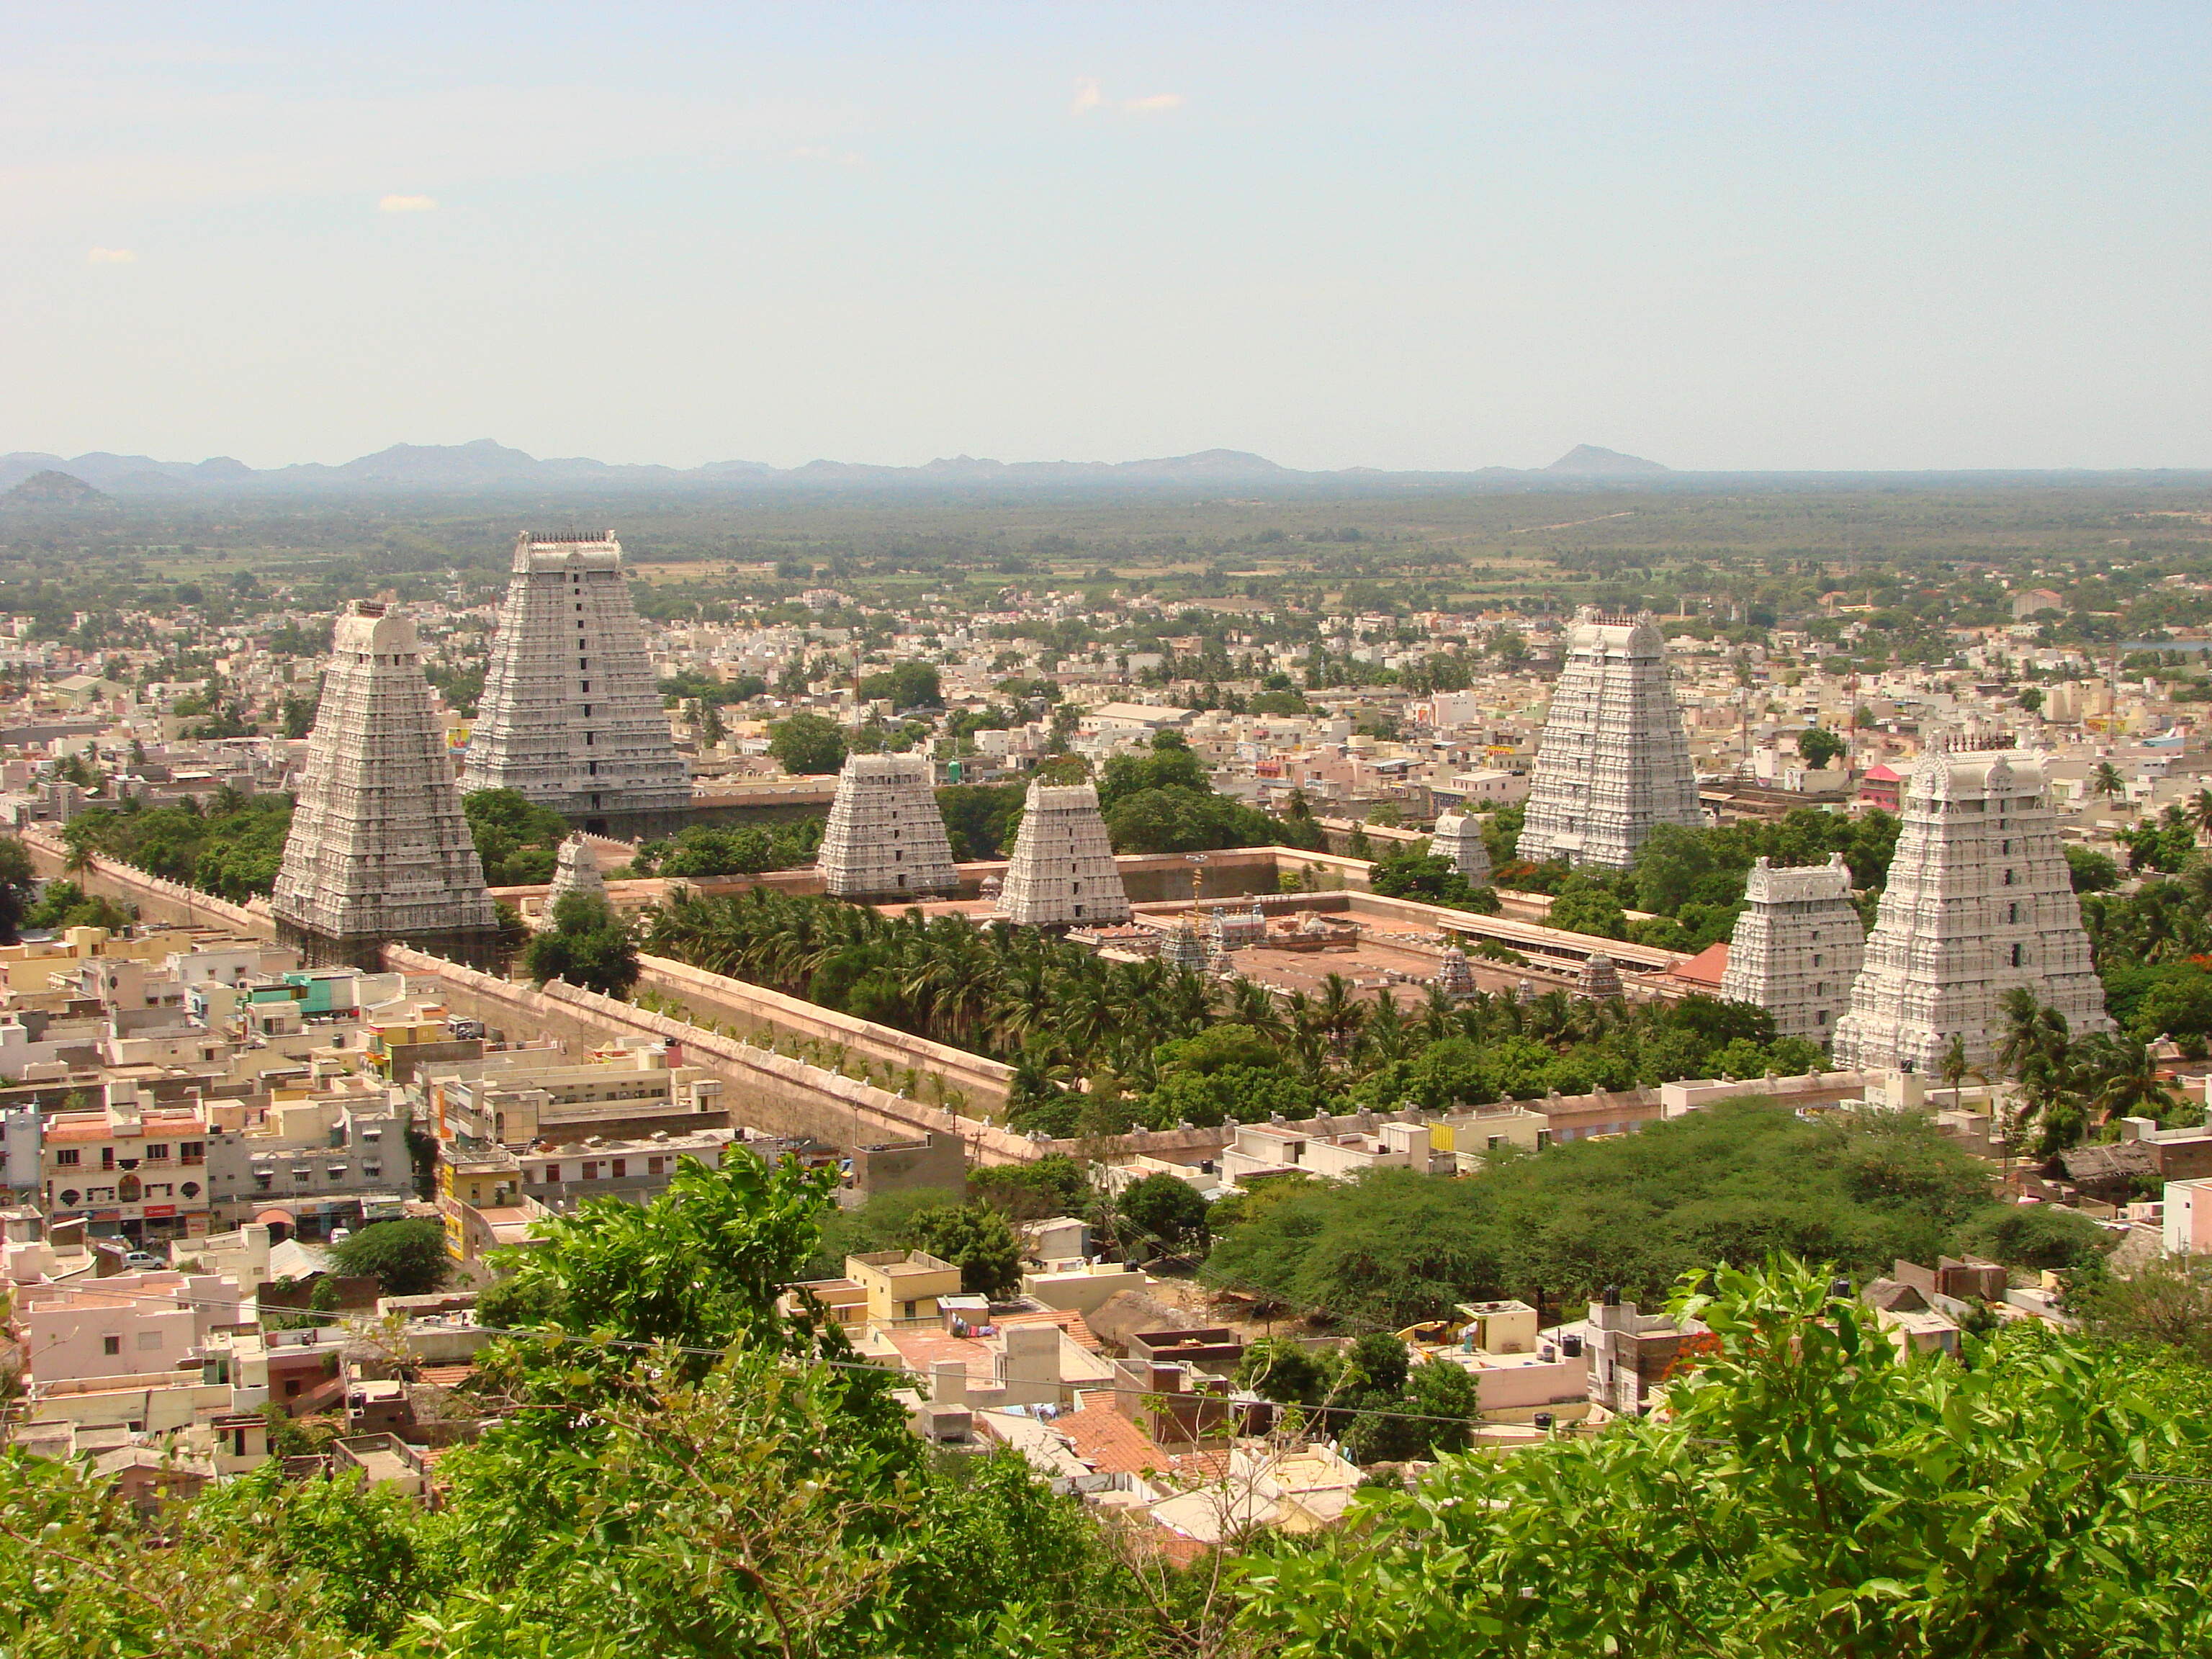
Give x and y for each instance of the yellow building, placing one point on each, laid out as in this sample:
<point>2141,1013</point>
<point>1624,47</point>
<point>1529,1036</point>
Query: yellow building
<point>901,1285</point>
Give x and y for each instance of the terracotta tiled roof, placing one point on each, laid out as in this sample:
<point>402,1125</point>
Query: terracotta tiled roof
<point>1706,967</point>
<point>1109,1442</point>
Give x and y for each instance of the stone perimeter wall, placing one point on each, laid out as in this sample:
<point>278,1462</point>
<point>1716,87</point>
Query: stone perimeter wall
<point>157,898</point>
<point>767,1091</point>
<point>947,1075</point>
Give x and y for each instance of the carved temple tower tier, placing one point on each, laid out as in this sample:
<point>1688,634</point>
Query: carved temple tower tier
<point>571,712</point>
<point>1459,837</point>
<point>379,850</point>
<point>1062,873</point>
<point>1978,902</point>
<point>885,839</point>
<point>1797,946</point>
<point>1614,760</point>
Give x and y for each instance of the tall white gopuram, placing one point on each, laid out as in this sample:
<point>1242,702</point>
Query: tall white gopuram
<point>379,850</point>
<point>886,838</point>
<point>1063,871</point>
<point>571,715</point>
<point>1978,902</point>
<point>1797,946</point>
<point>1458,836</point>
<point>1614,760</point>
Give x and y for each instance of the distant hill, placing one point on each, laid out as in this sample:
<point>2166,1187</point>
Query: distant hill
<point>52,489</point>
<point>1589,458</point>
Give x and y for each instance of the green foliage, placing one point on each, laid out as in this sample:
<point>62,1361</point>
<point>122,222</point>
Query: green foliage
<point>807,745</point>
<point>1817,746</point>
<point>2164,1305</point>
<point>906,685</point>
<point>518,839</point>
<point>977,1239</point>
<point>19,885</point>
<point>1054,1185</point>
<point>2091,872</point>
<point>231,849</point>
<point>708,850</point>
<point>587,945</point>
<point>981,819</point>
<point>1583,907</point>
<point>1808,1490</point>
<point>2037,1236</point>
<point>1163,1213</point>
<point>407,1257</point>
<point>1730,1183</point>
<point>1432,878</point>
<point>64,904</point>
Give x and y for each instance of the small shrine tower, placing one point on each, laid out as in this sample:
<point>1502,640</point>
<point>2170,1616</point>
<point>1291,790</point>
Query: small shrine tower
<point>1797,946</point>
<point>1062,873</point>
<point>885,839</point>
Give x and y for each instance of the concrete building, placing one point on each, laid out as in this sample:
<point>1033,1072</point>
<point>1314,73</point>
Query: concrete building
<point>523,1097</point>
<point>1797,946</point>
<point>571,714</point>
<point>129,1169</point>
<point>1062,873</point>
<point>1459,837</point>
<point>1979,901</point>
<point>378,849</point>
<point>885,839</point>
<point>1614,760</point>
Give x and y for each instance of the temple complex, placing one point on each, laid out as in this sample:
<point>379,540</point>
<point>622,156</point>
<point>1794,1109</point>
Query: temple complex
<point>1614,760</point>
<point>885,839</point>
<point>1062,873</point>
<point>571,715</point>
<point>1797,946</point>
<point>1458,837</point>
<point>379,850</point>
<point>1979,901</point>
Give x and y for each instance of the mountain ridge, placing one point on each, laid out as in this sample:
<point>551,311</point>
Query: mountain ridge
<point>485,463</point>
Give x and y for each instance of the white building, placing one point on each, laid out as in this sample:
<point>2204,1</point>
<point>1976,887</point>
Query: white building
<point>1797,946</point>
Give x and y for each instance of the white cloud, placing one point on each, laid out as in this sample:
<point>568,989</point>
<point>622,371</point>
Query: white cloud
<point>408,204</point>
<point>1089,97</point>
<point>111,256</point>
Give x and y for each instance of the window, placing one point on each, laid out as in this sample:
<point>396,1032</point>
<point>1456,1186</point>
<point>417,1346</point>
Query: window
<point>2007,881</point>
<point>552,1172</point>
<point>67,1157</point>
<point>192,1151</point>
<point>371,1172</point>
<point>653,1166</point>
<point>2015,956</point>
<point>189,1190</point>
<point>263,1179</point>
<point>157,1153</point>
<point>622,1168</point>
<point>110,1345</point>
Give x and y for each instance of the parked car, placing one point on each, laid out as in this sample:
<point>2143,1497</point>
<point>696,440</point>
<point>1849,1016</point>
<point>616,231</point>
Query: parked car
<point>139,1260</point>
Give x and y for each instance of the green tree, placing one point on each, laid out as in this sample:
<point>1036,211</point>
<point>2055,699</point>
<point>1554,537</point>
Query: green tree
<point>19,886</point>
<point>407,1257</point>
<point>1817,746</point>
<point>587,945</point>
<point>807,745</point>
<point>906,685</point>
<point>977,1239</point>
<point>518,839</point>
<point>1808,1490</point>
<point>1164,1213</point>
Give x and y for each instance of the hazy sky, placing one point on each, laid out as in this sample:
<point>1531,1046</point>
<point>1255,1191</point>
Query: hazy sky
<point>1804,234</point>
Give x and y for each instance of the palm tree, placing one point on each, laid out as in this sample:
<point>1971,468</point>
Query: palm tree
<point>2106,780</point>
<point>2126,1080</point>
<point>1957,1068</point>
<point>2200,812</point>
<point>78,864</point>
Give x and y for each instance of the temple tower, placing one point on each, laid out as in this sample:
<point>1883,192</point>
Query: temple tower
<point>1979,901</point>
<point>1797,946</point>
<point>1459,837</point>
<point>886,838</point>
<point>571,712</point>
<point>575,870</point>
<point>379,850</point>
<point>1614,760</point>
<point>1063,870</point>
